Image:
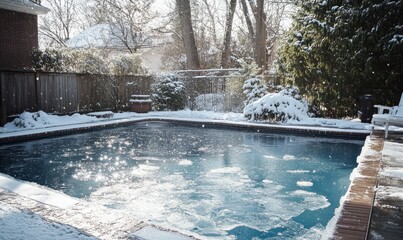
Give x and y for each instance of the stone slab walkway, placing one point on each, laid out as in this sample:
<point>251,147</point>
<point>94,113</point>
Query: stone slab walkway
<point>88,218</point>
<point>387,217</point>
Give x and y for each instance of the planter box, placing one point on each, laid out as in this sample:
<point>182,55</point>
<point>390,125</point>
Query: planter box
<point>140,103</point>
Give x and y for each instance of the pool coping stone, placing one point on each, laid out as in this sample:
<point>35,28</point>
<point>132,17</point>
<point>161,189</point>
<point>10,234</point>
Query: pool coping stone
<point>62,130</point>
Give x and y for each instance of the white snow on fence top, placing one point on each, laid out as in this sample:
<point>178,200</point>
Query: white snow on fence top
<point>36,192</point>
<point>140,96</point>
<point>140,101</point>
<point>209,70</point>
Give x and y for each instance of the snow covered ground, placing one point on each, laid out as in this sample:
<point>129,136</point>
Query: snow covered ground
<point>36,228</point>
<point>41,120</point>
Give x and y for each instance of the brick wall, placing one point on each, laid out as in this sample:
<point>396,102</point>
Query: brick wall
<point>18,36</point>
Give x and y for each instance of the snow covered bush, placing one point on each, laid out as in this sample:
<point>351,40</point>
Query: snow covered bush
<point>49,60</point>
<point>253,89</point>
<point>126,64</point>
<point>29,120</point>
<point>249,69</point>
<point>168,93</point>
<point>278,107</point>
<point>89,61</point>
<point>210,102</point>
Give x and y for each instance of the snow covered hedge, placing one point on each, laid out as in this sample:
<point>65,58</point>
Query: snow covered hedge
<point>210,102</point>
<point>254,89</point>
<point>90,61</point>
<point>28,120</point>
<point>168,93</point>
<point>126,64</point>
<point>278,107</point>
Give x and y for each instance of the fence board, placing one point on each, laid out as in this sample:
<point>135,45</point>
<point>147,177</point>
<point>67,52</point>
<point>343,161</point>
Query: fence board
<point>13,84</point>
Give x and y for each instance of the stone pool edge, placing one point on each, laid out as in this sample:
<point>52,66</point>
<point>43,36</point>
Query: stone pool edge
<point>353,217</point>
<point>54,131</point>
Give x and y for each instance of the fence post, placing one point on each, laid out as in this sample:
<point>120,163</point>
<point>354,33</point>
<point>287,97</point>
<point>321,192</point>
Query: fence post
<point>3,110</point>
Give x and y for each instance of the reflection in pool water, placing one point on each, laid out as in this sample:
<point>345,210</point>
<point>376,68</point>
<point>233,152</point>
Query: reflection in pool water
<point>217,183</point>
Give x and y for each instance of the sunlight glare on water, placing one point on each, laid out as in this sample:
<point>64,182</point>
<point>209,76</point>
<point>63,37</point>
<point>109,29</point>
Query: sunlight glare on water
<point>221,184</point>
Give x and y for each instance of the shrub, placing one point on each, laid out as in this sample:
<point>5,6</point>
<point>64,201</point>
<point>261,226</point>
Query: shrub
<point>278,107</point>
<point>168,93</point>
<point>89,61</point>
<point>253,90</point>
<point>49,60</point>
<point>126,64</point>
<point>210,102</point>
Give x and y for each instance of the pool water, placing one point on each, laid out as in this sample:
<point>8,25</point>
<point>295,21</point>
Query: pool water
<point>221,184</point>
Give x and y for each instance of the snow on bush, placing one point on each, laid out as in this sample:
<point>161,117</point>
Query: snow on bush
<point>49,60</point>
<point>168,93</point>
<point>127,64</point>
<point>249,69</point>
<point>278,107</point>
<point>29,120</point>
<point>210,102</point>
<point>91,61</point>
<point>253,89</point>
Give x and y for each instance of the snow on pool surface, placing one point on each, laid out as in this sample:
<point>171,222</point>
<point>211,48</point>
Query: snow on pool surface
<point>217,183</point>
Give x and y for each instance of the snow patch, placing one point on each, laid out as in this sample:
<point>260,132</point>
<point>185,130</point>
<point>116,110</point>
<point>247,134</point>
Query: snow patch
<point>36,192</point>
<point>16,224</point>
<point>151,233</point>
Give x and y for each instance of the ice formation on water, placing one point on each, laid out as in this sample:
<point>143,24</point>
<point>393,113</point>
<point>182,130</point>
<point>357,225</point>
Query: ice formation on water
<point>289,157</point>
<point>304,183</point>
<point>213,208</point>
<point>185,162</point>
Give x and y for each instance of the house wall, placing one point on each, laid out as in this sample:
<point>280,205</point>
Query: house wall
<point>18,36</point>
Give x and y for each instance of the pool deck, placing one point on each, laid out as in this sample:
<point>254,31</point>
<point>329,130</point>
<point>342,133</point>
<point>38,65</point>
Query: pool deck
<point>371,209</point>
<point>89,218</point>
<point>387,212</point>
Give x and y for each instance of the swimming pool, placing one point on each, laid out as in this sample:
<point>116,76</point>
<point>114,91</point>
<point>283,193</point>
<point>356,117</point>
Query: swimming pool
<point>216,183</point>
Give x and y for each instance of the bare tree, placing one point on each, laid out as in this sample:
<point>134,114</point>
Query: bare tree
<point>185,17</point>
<point>128,20</point>
<point>265,30</point>
<point>261,35</point>
<point>210,23</point>
<point>212,18</point>
<point>248,21</point>
<point>57,25</point>
<point>228,31</point>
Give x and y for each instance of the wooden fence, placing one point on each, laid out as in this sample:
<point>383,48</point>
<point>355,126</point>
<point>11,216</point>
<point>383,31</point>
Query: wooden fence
<point>65,93</point>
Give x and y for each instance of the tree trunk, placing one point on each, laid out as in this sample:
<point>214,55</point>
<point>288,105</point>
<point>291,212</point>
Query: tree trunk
<point>248,21</point>
<point>185,17</point>
<point>261,35</point>
<point>228,31</point>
